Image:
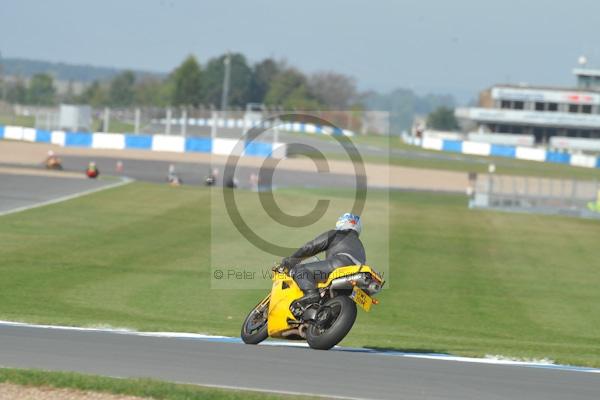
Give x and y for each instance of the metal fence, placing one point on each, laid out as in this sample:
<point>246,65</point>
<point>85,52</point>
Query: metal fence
<point>185,120</point>
<point>536,195</point>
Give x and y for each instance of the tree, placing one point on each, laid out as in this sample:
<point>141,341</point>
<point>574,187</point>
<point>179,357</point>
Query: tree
<point>153,92</point>
<point>94,95</point>
<point>121,91</point>
<point>41,90</point>
<point>404,104</point>
<point>17,93</point>
<point>187,83</point>
<point>290,90</point>
<point>333,90</point>
<point>263,74</point>
<point>239,84</point>
<point>442,119</point>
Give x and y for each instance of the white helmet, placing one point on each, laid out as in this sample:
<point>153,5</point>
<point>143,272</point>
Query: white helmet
<point>349,221</point>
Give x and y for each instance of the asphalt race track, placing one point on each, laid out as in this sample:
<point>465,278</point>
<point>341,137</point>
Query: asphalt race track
<point>195,173</point>
<point>18,191</point>
<point>338,373</point>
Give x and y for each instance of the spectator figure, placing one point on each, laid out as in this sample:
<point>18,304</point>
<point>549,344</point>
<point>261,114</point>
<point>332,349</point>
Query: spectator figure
<point>92,170</point>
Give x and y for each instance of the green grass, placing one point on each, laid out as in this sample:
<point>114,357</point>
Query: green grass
<point>114,126</point>
<point>18,120</point>
<point>459,162</point>
<point>146,388</point>
<point>460,281</point>
<point>504,166</point>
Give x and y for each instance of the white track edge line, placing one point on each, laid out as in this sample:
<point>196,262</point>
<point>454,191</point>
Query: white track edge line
<point>123,181</point>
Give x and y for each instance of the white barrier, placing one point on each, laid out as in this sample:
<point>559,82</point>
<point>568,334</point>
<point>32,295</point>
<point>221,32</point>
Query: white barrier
<point>29,134</point>
<point>226,147</point>
<point>13,132</point>
<point>279,150</point>
<point>568,143</point>
<point>168,143</point>
<point>531,154</point>
<point>432,143</point>
<point>581,160</point>
<point>502,139</point>
<point>108,141</point>
<point>476,148</point>
<point>58,138</point>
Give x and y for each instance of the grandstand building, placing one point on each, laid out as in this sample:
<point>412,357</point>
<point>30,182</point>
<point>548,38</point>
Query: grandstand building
<point>543,112</point>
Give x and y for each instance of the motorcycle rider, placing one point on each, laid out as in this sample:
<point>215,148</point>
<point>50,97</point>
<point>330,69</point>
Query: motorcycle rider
<point>342,247</point>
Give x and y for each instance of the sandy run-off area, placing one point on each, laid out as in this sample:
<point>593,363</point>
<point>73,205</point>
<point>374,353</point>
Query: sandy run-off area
<point>9,391</point>
<point>379,175</point>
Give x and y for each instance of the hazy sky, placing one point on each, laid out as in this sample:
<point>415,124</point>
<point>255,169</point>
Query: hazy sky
<point>458,46</point>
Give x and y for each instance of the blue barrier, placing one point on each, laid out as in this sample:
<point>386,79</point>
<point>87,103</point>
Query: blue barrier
<point>498,150</point>
<point>452,145</point>
<point>78,139</point>
<point>141,142</point>
<point>196,144</point>
<point>43,136</point>
<point>598,162</point>
<point>318,129</point>
<point>557,157</point>
<point>258,149</point>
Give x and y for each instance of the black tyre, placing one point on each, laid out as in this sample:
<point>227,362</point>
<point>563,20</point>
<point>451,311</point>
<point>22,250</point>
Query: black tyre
<point>254,328</point>
<point>333,322</point>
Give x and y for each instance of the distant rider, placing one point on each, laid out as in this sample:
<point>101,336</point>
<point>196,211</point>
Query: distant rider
<point>92,170</point>
<point>342,247</point>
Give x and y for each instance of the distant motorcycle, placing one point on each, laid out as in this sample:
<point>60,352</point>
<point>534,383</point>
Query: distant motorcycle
<point>323,325</point>
<point>54,163</point>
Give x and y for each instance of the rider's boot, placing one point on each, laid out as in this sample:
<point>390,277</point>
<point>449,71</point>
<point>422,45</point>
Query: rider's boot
<point>311,296</point>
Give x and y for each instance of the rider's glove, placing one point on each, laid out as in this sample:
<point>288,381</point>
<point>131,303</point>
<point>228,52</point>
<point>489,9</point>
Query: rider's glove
<point>288,262</point>
<point>280,269</point>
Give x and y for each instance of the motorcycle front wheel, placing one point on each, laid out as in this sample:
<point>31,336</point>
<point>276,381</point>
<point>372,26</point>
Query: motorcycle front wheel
<point>334,320</point>
<point>254,328</point>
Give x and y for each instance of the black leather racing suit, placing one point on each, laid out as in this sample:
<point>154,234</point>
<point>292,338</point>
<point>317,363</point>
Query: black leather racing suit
<point>333,243</point>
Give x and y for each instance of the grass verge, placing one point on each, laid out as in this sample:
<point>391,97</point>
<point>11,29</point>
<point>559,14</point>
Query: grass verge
<point>460,281</point>
<point>146,388</point>
<point>405,155</point>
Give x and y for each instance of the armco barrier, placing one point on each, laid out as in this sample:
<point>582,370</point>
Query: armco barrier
<point>518,152</point>
<point>120,141</point>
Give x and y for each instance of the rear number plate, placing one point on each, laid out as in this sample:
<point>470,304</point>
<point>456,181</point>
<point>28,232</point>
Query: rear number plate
<point>361,298</point>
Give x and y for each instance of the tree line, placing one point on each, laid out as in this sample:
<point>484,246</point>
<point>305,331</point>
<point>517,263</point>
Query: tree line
<point>191,84</point>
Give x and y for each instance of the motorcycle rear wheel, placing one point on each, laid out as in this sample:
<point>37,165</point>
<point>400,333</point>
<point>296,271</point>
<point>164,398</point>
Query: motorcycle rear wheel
<point>334,320</point>
<point>254,328</point>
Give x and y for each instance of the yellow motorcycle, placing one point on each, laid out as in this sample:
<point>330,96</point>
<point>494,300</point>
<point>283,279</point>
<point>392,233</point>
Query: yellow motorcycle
<point>322,325</point>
